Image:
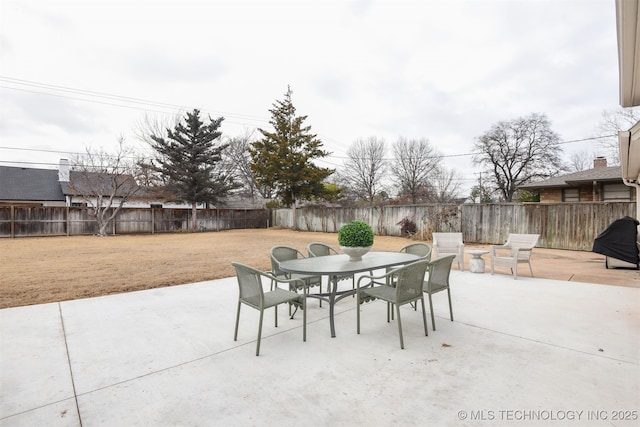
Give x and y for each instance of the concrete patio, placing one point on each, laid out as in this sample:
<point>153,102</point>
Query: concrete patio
<point>523,352</point>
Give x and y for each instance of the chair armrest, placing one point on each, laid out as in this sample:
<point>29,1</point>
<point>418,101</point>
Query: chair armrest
<point>518,251</point>
<point>373,278</point>
<point>493,248</point>
<point>300,283</point>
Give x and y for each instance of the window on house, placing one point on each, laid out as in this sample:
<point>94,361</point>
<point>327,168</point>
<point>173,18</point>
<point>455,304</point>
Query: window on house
<point>612,192</point>
<point>156,205</point>
<point>570,194</point>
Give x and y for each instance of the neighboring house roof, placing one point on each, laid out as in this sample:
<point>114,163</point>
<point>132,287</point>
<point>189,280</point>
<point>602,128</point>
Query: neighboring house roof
<point>87,183</point>
<point>29,184</point>
<point>602,174</point>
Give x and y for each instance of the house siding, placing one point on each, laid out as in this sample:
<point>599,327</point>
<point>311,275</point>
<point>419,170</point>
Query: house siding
<point>551,195</point>
<point>587,194</point>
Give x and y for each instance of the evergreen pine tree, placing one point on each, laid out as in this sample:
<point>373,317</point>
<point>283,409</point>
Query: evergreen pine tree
<point>283,159</point>
<point>189,161</point>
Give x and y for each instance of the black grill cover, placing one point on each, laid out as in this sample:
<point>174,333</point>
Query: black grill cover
<point>619,240</point>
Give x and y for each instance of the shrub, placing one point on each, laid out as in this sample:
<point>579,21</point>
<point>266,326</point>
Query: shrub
<point>355,234</point>
<point>408,227</point>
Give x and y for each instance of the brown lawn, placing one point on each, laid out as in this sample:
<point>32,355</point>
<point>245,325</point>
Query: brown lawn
<point>50,269</point>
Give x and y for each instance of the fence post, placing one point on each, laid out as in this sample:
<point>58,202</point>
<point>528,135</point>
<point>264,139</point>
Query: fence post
<point>113,225</point>
<point>13,222</point>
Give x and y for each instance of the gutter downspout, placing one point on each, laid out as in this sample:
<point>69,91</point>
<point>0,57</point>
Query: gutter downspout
<point>637,187</point>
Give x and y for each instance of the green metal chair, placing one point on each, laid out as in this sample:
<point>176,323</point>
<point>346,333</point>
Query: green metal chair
<point>317,249</point>
<point>423,250</point>
<point>282,253</point>
<point>438,281</point>
<point>252,294</point>
<point>407,289</point>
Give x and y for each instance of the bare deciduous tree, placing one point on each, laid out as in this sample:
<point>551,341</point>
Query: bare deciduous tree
<point>519,151</point>
<point>157,125</point>
<point>581,160</point>
<point>238,163</point>
<point>612,122</point>
<point>415,161</point>
<point>364,171</point>
<point>446,185</point>
<point>105,181</point>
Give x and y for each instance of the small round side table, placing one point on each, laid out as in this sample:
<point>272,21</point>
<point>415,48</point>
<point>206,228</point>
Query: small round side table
<point>476,263</point>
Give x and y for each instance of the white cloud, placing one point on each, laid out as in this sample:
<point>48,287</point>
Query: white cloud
<point>442,70</point>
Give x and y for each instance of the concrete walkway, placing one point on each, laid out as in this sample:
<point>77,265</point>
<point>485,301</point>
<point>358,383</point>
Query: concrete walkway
<point>523,352</point>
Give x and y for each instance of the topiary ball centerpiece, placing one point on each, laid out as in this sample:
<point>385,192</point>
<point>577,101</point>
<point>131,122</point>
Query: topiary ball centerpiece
<point>355,238</point>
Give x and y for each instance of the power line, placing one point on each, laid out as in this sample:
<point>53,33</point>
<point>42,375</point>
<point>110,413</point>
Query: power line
<point>138,102</point>
<point>326,161</point>
<point>126,99</point>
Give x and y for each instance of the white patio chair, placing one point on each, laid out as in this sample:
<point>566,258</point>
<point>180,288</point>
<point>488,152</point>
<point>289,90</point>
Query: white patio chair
<point>449,244</point>
<point>519,247</point>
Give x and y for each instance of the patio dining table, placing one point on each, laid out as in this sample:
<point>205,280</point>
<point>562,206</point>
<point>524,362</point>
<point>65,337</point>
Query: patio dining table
<point>335,266</point>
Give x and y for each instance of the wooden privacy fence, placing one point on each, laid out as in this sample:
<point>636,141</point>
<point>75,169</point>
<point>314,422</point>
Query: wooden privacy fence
<point>571,226</point>
<point>25,221</point>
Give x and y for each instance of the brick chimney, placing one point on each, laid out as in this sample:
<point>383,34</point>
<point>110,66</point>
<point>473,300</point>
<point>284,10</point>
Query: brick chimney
<point>63,171</point>
<point>599,162</point>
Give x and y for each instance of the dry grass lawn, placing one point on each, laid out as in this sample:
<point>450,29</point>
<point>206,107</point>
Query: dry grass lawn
<point>50,269</point>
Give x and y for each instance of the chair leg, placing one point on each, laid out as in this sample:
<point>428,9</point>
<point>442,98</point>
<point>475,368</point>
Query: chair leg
<point>433,319</point>
<point>530,269</point>
<point>304,318</point>
<point>399,326</point>
<point>259,332</point>
<point>450,307</point>
<point>235,334</point>
<point>358,312</point>
<point>424,317</point>
<point>275,310</point>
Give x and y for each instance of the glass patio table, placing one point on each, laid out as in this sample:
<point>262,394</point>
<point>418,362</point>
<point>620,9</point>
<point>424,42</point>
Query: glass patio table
<point>335,266</point>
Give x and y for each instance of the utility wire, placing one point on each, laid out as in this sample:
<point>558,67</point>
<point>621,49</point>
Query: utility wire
<point>330,156</point>
<point>120,98</point>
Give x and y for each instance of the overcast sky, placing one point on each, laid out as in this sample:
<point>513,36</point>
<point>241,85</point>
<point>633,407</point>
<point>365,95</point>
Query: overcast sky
<point>82,73</point>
